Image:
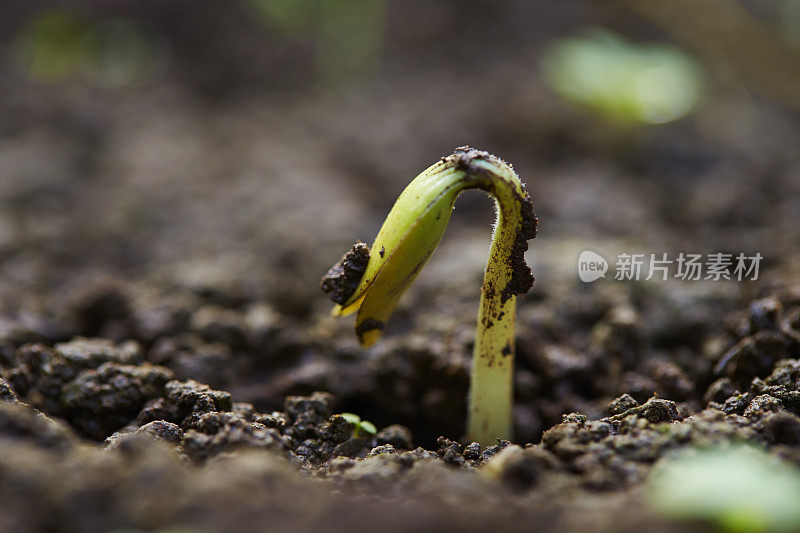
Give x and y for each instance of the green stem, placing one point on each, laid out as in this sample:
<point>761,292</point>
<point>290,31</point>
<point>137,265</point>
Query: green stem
<point>491,387</point>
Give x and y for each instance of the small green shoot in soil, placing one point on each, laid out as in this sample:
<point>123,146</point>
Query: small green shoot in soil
<point>360,427</point>
<point>371,281</point>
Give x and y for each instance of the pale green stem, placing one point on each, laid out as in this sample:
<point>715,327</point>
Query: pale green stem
<point>492,387</point>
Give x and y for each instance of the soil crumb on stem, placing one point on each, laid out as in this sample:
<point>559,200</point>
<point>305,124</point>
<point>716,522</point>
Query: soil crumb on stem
<point>522,277</point>
<point>343,278</point>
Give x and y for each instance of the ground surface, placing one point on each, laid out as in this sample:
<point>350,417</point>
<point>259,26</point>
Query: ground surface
<point>165,351</point>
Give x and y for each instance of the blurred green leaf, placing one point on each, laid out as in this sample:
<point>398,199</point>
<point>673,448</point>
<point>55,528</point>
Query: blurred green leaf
<point>352,418</point>
<point>790,20</point>
<point>349,34</point>
<point>350,38</point>
<point>122,53</point>
<point>369,427</point>
<point>57,44</point>
<point>740,488</point>
<point>627,82</point>
<point>291,16</point>
<point>47,48</point>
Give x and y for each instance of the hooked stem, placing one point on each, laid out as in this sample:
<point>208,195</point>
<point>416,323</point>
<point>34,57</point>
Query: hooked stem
<point>492,377</point>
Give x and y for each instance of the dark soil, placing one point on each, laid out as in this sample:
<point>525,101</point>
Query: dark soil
<point>167,359</point>
<point>127,429</point>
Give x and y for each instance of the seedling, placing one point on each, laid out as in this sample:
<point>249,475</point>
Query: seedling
<point>360,427</point>
<point>372,282</point>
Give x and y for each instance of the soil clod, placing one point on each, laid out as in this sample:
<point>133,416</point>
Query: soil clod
<point>343,278</point>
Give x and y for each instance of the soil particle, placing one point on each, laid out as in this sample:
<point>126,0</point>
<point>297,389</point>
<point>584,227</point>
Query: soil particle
<point>337,430</point>
<point>763,314</point>
<point>383,466</point>
<point>754,355</point>
<point>763,403</point>
<point>162,430</point>
<point>25,329</point>
<point>222,432</point>
<point>736,404</point>
<point>491,451</point>
<point>216,324</point>
<point>455,454</point>
<point>100,308</point>
<point>354,447</point>
<point>156,316</point>
<point>190,400</point>
<point>658,410</point>
<point>99,402</point>
<point>21,422</point>
<point>561,363</point>
<point>786,373</point>
<point>472,451</point>
<point>44,372</point>
<point>159,430</point>
<point>96,385</point>
<point>7,394</point>
<point>184,403</point>
<point>307,411</point>
<point>315,436</point>
<point>343,278</point>
<point>190,357</point>
<point>450,451</point>
<point>719,391</point>
<point>654,410</point>
<point>575,418</point>
<point>622,404</point>
<point>382,449</point>
<point>91,353</point>
<point>670,379</point>
<point>529,226</point>
<point>40,375</point>
<point>781,428</point>
<point>615,452</point>
<point>275,420</point>
<point>464,156</point>
<point>779,391</point>
<point>397,436</point>
<point>521,468</point>
<point>376,471</point>
<point>159,409</point>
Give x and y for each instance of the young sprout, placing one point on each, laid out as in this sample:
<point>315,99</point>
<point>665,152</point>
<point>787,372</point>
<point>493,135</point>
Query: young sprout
<point>360,427</point>
<point>372,281</point>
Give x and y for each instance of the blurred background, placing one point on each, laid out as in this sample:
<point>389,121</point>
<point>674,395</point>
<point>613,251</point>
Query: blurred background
<point>238,148</point>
